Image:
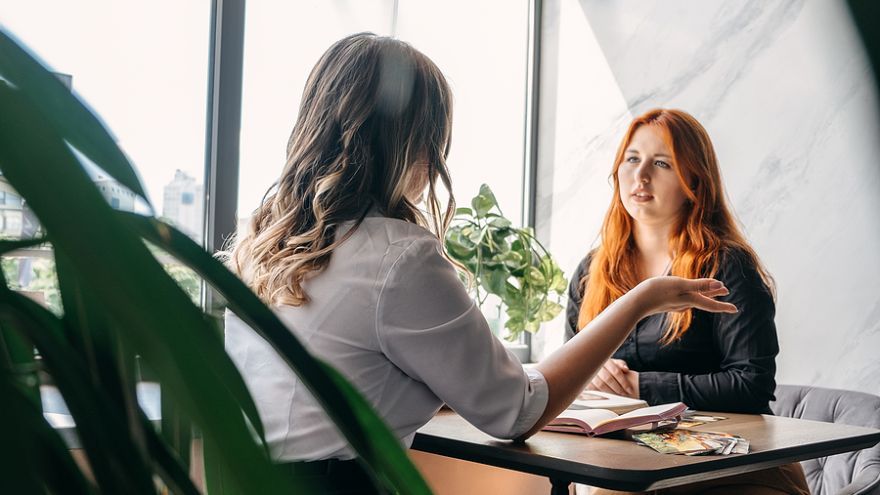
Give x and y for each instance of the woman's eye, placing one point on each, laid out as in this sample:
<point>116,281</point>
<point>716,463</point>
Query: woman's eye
<point>632,159</point>
<point>662,164</point>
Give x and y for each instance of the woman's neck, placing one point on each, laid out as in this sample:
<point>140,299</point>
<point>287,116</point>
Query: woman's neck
<point>652,246</point>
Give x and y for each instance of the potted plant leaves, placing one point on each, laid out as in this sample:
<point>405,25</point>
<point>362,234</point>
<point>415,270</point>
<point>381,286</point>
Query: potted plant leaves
<point>507,262</point>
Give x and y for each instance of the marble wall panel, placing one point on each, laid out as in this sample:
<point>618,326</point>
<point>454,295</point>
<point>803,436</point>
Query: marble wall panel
<point>786,93</point>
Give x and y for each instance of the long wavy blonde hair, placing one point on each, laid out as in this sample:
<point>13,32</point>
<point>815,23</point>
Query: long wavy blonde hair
<point>374,110</point>
<point>705,231</point>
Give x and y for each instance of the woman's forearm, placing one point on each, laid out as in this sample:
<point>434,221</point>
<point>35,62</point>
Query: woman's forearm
<point>731,390</point>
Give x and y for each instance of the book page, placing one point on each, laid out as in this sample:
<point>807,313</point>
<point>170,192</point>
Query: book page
<point>591,417</point>
<point>592,399</point>
<point>641,416</point>
<point>653,410</point>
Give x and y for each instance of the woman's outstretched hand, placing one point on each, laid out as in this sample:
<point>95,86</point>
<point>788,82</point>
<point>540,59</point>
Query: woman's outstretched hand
<point>570,368</point>
<point>664,294</point>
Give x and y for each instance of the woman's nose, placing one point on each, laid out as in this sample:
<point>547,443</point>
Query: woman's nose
<point>643,172</point>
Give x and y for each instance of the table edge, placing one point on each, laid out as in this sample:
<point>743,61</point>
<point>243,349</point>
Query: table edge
<point>634,479</point>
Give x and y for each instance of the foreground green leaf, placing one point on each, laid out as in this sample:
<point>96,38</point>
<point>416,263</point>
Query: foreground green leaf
<point>101,429</point>
<point>75,123</point>
<point>375,444</point>
<point>34,458</point>
<point>191,364</point>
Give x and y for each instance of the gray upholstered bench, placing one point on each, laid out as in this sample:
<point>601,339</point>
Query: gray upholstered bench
<point>843,474</point>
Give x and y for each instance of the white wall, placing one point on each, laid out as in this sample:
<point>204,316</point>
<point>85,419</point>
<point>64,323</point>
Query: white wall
<point>785,91</point>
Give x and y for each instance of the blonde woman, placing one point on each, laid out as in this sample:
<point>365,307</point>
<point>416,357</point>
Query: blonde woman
<point>359,274</point>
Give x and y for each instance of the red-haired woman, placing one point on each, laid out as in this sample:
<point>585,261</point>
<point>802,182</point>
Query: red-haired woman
<point>669,216</point>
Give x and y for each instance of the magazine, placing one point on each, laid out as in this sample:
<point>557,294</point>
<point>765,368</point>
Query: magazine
<point>692,442</point>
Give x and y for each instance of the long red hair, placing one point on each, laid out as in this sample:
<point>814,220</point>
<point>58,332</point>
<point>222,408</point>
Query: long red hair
<point>705,229</point>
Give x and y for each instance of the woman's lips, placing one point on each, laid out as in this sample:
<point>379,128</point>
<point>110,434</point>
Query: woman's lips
<point>642,197</point>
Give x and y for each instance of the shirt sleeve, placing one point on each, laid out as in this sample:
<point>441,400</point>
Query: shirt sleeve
<point>430,328</point>
<point>575,299</point>
<point>747,345</point>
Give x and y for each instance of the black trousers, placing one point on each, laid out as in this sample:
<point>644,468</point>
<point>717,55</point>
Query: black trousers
<point>332,477</point>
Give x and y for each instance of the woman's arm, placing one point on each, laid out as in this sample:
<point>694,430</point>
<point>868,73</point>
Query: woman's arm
<point>569,369</point>
<point>430,329</point>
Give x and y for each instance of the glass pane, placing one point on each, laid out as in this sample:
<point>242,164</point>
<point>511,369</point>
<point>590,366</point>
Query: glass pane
<point>484,58</point>
<point>283,41</point>
<point>150,88</point>
<point>486,70</point>
<point>485,62</point>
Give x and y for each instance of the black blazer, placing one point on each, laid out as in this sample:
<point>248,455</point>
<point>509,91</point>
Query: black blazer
<point>724,362</point>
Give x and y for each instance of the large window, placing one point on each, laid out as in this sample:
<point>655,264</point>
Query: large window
<point>150,87</point>
<point>479,46</point>
<point>142,66</point>
<point>283,40</point>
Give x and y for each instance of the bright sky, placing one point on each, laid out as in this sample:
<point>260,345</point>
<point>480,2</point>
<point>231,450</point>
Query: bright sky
<point>142,66</point>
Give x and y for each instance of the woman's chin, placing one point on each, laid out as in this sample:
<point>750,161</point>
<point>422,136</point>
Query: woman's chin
<point>646,215</point>
<point>641,212</point>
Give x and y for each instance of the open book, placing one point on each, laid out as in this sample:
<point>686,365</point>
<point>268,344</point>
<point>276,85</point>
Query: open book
<point>592,399</point>
<point>594,422</point>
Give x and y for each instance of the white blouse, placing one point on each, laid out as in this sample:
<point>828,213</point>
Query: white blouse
<point>390,313</point>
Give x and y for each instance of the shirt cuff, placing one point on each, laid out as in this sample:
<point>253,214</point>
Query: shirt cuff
<point>534,403</point>
<point>659,387</point>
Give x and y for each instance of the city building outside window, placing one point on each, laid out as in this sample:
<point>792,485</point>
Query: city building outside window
<point>150,90</point>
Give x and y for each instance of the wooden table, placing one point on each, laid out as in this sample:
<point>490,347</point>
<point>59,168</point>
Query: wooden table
<point>623,465</point>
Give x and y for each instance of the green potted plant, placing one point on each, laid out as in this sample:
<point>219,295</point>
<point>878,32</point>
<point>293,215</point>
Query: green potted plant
<point>506,262</point>
<point>119,305</point>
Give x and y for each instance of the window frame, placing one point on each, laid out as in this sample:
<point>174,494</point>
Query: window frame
<point>223,128</point>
